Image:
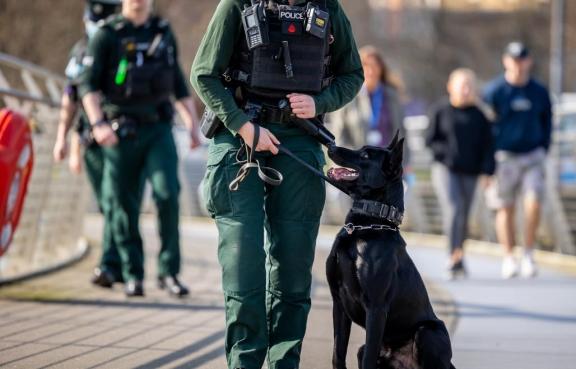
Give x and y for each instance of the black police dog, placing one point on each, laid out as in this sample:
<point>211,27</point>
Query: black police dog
<point>373,281</point>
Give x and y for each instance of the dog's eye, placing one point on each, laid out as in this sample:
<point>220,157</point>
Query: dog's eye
<point>365,155</point>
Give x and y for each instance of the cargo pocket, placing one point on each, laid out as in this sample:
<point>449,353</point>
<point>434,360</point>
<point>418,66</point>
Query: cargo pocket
<point>215,184</point>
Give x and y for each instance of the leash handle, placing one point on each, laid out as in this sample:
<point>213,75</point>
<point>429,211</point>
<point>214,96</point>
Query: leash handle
<point>269,175</point>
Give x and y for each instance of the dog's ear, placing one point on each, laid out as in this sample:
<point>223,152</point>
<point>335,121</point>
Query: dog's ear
<point>393,166</point>
<point>394,141</point>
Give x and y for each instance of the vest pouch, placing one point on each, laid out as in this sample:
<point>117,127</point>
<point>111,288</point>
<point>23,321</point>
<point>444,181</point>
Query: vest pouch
<point>138,84</point>
<point>162,83</point>
<point>293,61</point>
<point>307,54</point>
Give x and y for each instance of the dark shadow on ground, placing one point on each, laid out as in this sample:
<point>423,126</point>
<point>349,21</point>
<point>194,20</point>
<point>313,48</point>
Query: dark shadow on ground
<point>131,304</point>
<point>190,350</point>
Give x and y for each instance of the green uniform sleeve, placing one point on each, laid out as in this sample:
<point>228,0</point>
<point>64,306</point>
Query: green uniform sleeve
<point>212,59</point>
<point>95,62</point>
<point>346,66</point>
<point>180,84</point>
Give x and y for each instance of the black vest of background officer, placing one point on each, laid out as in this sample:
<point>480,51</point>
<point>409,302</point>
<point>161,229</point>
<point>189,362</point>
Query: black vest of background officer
<point>145,70</point>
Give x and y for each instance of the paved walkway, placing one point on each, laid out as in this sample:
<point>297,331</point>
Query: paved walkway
<point>513,324</point>
<point>60,321</point>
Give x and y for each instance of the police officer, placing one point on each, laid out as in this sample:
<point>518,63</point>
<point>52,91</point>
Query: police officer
<point>110,268</point>
<point>131,74</point>
<point>298,50</point>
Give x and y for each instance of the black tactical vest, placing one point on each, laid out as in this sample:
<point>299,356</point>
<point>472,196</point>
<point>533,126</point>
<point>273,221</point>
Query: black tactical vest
<point>262,71</point>
<point>145,69</point>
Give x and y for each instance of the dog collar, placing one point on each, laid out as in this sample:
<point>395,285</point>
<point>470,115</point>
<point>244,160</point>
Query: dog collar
<point>351,228</point>
<point>378,210</point>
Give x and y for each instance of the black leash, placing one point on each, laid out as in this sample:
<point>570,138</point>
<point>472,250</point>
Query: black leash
<point>311,168</point>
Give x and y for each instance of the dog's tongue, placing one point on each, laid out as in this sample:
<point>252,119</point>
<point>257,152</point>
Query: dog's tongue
<point>342,174</point>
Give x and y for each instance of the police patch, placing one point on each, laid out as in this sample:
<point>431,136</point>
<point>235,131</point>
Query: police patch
<point>291,13</point>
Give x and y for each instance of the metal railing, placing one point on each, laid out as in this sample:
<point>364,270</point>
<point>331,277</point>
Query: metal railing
<point>51,223</point>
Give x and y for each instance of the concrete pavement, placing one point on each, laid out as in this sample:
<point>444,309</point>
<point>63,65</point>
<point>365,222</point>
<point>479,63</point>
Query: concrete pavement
<point>60,321</point>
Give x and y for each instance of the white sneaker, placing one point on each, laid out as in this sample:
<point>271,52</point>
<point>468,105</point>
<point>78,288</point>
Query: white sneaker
<point>509,268</point>
<point>528,267</point>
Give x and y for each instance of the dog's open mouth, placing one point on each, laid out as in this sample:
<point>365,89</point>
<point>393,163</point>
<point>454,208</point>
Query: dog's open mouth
<point>342,174</point>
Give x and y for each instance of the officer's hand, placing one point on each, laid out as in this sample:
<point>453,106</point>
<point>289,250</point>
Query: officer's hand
<point>302,105</point>
<point>266,142</point>
<point>194,139</point>
<point>60,150</point>
<point>75,162</point>
<point>104,135</point>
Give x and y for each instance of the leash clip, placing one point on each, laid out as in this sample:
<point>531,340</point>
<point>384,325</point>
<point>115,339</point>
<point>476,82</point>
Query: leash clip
<point>349,228</point>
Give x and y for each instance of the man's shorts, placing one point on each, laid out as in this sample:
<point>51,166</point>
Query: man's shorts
<point>516,173</point>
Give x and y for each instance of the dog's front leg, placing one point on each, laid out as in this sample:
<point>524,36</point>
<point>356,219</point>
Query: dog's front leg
<point>375,325</point>
<point>342,326</point>
<point>341,321</point>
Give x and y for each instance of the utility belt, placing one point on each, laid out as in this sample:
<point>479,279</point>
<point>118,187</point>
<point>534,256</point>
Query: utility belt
<point>125,126</point>
<point>265,113</point>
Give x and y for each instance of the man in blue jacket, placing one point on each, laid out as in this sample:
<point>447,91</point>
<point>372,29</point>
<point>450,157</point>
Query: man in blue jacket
<point>522,131</point>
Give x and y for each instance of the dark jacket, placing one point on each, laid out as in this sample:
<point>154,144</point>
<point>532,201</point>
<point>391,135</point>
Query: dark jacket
<point>461,139</point>
<point>523,115</point>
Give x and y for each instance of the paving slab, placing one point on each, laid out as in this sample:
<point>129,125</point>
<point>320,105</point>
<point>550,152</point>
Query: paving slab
<point>61,321</point>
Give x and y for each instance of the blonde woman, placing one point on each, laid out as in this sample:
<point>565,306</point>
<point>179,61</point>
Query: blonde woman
<point>460,139</point>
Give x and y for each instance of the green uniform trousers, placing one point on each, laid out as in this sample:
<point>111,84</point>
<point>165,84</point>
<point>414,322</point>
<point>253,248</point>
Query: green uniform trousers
<point>152,153</point>
<point>94,164</point>
<point>267,237</point>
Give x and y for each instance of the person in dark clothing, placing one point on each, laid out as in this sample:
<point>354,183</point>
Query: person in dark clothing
<point>129,86</point>
<point>460,138</point>
<point>523,127</point>
<point>109,269</point>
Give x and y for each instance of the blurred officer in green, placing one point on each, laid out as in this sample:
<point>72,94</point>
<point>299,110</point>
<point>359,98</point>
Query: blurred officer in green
<point>131,74</point>
<point>267,234</point>
<point>110,268</point>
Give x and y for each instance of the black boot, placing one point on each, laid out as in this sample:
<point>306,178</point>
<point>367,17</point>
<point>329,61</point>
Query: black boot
<point>102,278</point>
<point>173,285</point>
<point>457,270</point>
<point>134,288</point>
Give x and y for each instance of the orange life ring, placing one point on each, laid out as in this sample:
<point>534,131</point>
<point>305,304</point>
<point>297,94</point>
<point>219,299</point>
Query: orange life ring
<point>16,161</point>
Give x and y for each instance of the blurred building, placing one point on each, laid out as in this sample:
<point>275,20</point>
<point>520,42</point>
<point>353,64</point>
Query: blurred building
<point>421,39</point>
<point>463,5</point>
<point>425,39</point>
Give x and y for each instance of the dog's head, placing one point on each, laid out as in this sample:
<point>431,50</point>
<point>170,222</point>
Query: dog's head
<point>370,173</point>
